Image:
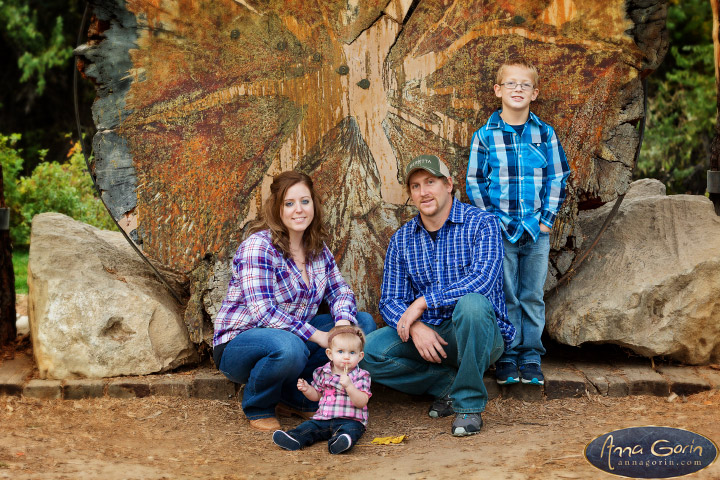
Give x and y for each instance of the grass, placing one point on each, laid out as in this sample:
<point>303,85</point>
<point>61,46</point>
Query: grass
<point>20,263</point>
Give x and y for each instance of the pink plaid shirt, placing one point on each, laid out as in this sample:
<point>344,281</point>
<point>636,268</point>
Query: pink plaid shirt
<point>334,400</point>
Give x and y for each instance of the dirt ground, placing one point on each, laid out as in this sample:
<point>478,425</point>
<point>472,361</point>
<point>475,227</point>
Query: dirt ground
<point>173,438</point>
<point>182,438</point>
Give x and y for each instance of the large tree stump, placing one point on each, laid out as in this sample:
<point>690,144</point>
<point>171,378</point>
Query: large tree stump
<point>200,103</point>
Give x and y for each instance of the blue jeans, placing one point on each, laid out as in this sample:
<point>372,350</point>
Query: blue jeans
<point>474,342</point>
<point>313,431</point>
<point>269,362</point>
<point>524,270</point>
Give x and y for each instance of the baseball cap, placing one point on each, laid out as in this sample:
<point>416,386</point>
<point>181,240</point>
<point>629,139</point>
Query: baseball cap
<point>429,163</point>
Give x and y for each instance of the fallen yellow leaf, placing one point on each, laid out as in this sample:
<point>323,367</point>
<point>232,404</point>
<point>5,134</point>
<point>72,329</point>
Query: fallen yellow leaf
<point>388,440</point>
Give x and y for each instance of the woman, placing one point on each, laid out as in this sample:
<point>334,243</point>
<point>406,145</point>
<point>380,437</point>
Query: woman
<point>267,332</point>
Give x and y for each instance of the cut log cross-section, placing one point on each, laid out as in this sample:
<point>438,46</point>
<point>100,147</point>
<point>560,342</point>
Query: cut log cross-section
<point>200,103</point>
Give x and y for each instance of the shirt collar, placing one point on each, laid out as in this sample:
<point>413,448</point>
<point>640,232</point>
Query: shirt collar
<point>327,368</point>
<point>457,215</point>
<point>496,121</point>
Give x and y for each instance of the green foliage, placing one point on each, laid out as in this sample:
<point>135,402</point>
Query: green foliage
<point>52,187</point>
<point>40,53</point>
<point>20,263</point>
<point>681,113</point>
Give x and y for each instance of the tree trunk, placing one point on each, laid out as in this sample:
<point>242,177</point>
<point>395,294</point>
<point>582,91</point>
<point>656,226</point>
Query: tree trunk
<point>194,118</point>
<point>715,146</point>
<point>8,331</point>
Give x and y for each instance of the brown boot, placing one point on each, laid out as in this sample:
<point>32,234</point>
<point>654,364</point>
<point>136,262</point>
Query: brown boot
<point>269,424</point>
<point>283,410</point>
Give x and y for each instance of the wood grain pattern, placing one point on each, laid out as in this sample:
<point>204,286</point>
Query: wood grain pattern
<point>200,103</point>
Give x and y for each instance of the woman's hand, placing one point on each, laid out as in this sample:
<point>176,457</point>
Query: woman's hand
<point>342,322</point>
<point>320,337</point>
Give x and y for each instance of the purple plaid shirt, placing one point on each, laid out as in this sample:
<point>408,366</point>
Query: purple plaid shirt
<point>267,290</point>
<point>334,400</point>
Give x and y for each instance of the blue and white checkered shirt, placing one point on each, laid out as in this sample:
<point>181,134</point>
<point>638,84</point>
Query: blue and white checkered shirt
<point>519,177</point>
<point>267,290</point>
<point>466,257</point>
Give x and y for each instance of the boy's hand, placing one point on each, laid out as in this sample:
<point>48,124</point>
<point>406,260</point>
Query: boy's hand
<point>544,228</point>
<point>302,385</point>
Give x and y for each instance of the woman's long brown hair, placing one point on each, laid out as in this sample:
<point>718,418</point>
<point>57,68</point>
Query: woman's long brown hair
<point>270,219</point>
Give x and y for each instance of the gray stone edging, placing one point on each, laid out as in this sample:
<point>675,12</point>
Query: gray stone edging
<point>561,381</point>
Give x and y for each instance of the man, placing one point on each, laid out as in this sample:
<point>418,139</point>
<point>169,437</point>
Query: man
<point>442,299</point>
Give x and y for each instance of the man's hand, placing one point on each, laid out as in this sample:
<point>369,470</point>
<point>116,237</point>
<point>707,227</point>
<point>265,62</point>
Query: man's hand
<point>413,312</point>
<point>544,228</point>
<point>428,342</point>
<point>342,322</point>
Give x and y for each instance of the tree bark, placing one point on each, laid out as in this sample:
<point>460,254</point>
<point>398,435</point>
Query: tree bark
<point>715,146</point>
<point>8,331</point>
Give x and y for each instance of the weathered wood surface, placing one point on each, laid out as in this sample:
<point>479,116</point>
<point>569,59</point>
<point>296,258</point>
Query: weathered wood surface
<point>200,103</point>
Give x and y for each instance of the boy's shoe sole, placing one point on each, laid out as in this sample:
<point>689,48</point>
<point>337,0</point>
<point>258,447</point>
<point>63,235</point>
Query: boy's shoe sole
<point>534,381</point>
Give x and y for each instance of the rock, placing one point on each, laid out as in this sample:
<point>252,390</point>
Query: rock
<point>651,283</point>
<point>96,309</point>
<point>645,187</point>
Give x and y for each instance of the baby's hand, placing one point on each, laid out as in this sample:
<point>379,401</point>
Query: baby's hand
<point>302,385</point>
<point>345,380</point>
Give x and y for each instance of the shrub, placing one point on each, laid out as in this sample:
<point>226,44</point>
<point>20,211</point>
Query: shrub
<point>52,187</point>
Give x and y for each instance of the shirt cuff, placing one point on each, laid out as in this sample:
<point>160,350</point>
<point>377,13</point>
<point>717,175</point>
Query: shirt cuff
<point>547,218</point>
<point>434,300</point>
<point>305,331</point>
<point>346,316</point>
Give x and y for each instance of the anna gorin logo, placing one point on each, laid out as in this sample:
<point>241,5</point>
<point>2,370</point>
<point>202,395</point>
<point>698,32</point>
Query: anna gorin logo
<point>651,452</point>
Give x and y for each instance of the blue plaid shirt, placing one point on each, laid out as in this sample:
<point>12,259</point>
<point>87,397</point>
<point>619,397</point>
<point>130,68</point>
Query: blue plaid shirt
<point>466,257</point>
<point>519,177</point>
<point>267,290</point>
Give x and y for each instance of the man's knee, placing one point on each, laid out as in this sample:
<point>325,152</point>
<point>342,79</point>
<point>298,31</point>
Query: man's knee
<point>377,344</point>
<point>474,305</point>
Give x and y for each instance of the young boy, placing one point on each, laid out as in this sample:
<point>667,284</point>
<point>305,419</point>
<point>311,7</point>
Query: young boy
<point>343,390</point>
<point>517,170</point>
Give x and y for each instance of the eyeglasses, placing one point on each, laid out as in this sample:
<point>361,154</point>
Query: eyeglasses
<point>523,86</point>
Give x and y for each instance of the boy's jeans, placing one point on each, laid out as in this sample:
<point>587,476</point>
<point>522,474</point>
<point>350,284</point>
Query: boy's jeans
<point>312,431</point>
<point>474,342</point>
<point>524,270</point>
<point>269,362</point>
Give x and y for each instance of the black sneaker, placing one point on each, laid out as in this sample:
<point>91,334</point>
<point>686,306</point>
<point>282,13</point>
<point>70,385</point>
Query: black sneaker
<point>466,424</point>
<point>341,444</point>
<point>441,407</point>
<point>506,373</point>
<point>531,373</point>
<point>283,440</point>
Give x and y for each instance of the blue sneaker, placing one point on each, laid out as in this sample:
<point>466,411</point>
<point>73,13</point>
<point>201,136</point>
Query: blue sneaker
<point>531,373</point>
<point>506,373</point>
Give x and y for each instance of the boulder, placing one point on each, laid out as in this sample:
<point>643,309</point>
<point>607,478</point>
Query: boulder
<point>96,309</point>
<point>652,282</point>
